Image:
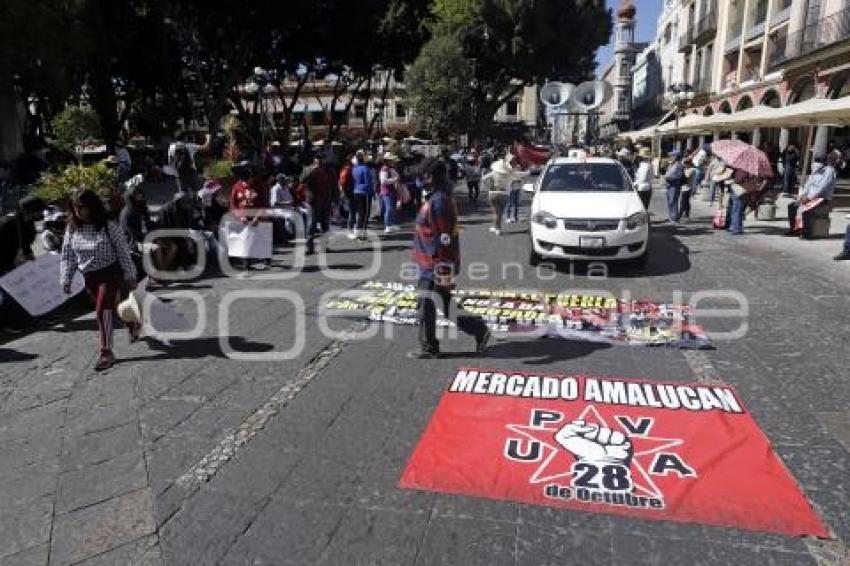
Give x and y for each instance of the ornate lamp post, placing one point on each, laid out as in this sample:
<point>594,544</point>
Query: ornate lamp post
<point>679,95</point>
<point>260,84</point>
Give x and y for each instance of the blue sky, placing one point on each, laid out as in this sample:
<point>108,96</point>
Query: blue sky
<point>647,17</point>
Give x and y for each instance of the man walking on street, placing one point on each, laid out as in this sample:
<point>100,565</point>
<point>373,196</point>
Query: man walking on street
<point>436,251</point>
<point>318,184</point>
<point>675,178</point>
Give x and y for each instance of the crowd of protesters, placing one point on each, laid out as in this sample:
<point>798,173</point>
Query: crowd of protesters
<point>304,193</point>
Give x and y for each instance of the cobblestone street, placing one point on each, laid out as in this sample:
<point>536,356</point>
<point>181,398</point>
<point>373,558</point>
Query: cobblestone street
<point>181,455</point>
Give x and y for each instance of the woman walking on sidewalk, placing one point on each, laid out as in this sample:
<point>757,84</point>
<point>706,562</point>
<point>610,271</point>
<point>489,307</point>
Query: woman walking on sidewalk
<point>97,248</point>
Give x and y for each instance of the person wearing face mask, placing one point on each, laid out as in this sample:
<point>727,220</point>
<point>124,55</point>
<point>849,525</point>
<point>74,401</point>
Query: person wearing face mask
<point>815,198</point>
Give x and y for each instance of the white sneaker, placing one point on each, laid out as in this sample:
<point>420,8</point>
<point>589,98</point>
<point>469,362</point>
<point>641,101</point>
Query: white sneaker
<point>352,235</point>
<point>510,220</point>
<point>495,230</point>
<point>394,228</point>
<point>387,230</point>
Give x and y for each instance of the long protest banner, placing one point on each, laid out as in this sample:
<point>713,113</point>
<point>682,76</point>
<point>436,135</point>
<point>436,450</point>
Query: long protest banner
<point>562,315</point>
<point>663,451</point>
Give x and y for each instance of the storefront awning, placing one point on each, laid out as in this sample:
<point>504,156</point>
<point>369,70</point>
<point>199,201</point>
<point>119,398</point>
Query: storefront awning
<point>812,112</point>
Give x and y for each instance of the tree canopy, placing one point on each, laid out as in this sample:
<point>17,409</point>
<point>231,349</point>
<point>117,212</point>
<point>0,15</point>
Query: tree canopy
<point>514,43</point>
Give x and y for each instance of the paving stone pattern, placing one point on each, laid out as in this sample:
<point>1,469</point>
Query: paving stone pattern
<point>92,464</point>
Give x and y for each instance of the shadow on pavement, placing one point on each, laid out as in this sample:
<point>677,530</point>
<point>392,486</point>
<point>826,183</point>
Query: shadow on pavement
<point>197,349</point>
<point>543,350</point>
<point>8,355</point>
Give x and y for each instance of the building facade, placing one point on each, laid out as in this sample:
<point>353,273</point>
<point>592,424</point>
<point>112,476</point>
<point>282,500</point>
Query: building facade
<point>656,68</point>
<point>320,103</point>
<point>738,54</point>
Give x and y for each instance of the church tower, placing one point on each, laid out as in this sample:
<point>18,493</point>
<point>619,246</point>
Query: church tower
<point>625,53</point>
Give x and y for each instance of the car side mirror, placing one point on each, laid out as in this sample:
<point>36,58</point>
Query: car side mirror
<point>528,187</point>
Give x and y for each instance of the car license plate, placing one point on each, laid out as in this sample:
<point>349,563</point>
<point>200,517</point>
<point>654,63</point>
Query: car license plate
<point>591,242</point>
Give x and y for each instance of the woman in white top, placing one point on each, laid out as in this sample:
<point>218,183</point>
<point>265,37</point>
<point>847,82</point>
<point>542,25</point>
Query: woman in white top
<point>644,176</point>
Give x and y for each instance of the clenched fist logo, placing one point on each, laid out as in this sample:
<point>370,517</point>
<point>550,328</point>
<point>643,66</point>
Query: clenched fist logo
<point>589,442</point>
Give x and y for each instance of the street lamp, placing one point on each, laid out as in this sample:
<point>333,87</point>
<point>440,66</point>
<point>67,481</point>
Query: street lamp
<point>678,96</point>
<point>260,84</point>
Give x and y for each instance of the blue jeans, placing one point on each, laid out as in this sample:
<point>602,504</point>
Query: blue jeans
<point>388,204</point>
<point>736,223</point>
<point>697,179</point>
<point>847,241</point>
<point>673,202</point>
<point>712,189</point>
<point>513,204</point>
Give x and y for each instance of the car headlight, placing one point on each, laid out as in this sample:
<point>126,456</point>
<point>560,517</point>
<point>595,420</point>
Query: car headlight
<point>545,219</point>
<point>636,220</point>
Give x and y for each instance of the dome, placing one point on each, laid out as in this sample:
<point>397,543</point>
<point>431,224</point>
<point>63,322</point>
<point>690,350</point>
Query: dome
<point>627,10</point>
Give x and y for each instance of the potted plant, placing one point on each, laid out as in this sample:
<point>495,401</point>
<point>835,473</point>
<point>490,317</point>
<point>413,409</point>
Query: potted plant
<point>58,187</point>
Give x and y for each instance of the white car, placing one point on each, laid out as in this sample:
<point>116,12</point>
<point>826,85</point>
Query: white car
<point>587,209</point>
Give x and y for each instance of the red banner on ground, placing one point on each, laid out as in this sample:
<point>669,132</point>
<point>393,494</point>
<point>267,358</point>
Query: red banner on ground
<point>663,451</point>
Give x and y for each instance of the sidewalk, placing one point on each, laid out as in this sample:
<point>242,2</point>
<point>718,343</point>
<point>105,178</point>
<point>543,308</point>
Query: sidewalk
<point>822,249</point>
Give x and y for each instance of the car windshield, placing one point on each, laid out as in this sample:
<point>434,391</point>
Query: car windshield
<point>584,177</point>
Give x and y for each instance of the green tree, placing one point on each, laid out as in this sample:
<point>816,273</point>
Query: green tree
<point>515,43</point>
<point>73,126</point>
<point>438,86</point>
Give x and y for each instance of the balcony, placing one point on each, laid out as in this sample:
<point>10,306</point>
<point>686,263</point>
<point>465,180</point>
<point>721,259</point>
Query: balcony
<point>781,17</point>
<point>734,38</point>
<point>817,35</point>
<point>755,32</point>
<point>707,25</point>
<point>686,39</point>
<point>702,85</point>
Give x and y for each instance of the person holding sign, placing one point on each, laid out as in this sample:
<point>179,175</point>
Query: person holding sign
<point>96,247</point>
<point>17,234</point>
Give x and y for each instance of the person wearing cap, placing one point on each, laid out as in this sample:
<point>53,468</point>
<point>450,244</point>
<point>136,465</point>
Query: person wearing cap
<point>436,252</point>
<point>644,176</point>
<point>17,235</point>
<point>675,179</point>
<point>819,185</point>
<point>388,182</point>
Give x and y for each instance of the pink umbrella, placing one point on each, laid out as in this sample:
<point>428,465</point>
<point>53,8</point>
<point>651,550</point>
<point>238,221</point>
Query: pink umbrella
<point>743,157</point>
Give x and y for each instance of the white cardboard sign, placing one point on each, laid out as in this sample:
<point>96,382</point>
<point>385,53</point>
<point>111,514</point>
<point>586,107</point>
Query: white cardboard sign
<point>35,285</point>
